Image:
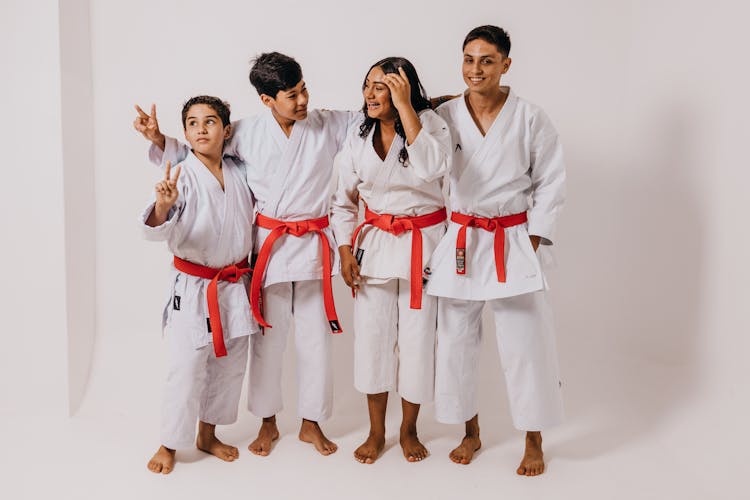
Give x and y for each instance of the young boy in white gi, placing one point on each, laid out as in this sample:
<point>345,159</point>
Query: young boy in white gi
<point>204,213</point>
<point>289,154</point>
<point>506,190</point>
<point>394,161</point>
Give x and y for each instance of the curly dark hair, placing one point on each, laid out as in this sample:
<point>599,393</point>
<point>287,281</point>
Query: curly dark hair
<point>273,72</point>
<point>221,107</point>
<point>419,100</point>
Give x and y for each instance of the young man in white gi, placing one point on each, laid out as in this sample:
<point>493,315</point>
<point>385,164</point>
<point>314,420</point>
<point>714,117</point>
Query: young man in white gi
<point>506,190</point>
<point>289,153</point>
<point>204,214</point>
<point>394,160</point>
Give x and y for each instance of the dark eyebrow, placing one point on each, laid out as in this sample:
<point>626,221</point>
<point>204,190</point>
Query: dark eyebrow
<point>195,118</point>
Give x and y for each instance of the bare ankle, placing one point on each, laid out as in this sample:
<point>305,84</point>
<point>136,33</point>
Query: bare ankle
<point>534,438</point>
<point>472,427</point>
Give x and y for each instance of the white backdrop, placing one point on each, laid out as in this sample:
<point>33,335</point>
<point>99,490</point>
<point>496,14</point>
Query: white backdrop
<point>650,99</point>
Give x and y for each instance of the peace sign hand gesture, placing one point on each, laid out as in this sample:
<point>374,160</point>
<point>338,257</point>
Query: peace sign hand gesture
<point>166,196</point>
<point>148,126</point>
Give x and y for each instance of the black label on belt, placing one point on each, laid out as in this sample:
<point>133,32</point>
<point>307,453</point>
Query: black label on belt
<point>335,327</point>
<point>208,324</point>
<point>359,255</point>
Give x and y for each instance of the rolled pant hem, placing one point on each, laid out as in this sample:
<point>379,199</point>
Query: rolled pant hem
<point>178,445</point>
<point>315,418</point>
<point>218,421</point>
<point>416,400</point>
<point>264,414</point>
<point>374,391</point>
<point>536,427</point>
<point>452,419</point>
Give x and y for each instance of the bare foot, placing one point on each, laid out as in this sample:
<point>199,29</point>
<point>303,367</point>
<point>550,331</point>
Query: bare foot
<point>370,450</point>
<point>310,432</point>
<point>532,463</point>
<point>414,450</point>
<point>162,462</point>
<point>267,434</point>
<point>464,452</point>
<point>212,446</point>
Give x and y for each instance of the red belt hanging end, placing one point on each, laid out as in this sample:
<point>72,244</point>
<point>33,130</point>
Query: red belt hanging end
<point>294,228</point>
<point>494,224</point>
<point>460,260</point>
<point>398,225</point>
<point>231,274</point>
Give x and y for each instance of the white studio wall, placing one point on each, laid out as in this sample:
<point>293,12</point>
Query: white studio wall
<point>650,285</point>
<point>33,360</point>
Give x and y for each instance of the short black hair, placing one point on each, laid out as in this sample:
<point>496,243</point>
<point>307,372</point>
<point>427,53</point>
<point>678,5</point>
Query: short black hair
<point>273,72</point>
<point>221,107</point>
<point>490,34</point>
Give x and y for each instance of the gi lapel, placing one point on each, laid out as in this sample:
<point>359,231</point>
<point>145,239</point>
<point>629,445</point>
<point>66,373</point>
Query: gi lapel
<point>286,167</point>
<point>488,144</point>
<point>381,181</point>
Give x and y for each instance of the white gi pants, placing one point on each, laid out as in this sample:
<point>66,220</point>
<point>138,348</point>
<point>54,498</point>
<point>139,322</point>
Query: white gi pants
<point>298,304</point>
<point>525,339</point>
<point>200,386</point>
<point>394,345</point>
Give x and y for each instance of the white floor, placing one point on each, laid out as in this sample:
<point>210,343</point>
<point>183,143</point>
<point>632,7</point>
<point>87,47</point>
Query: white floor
<point>650,435</point>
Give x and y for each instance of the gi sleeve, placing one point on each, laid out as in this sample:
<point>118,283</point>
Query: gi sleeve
<point>430,153</point>
<point>239,142</point>
<point>547,179</point>
<point>174,151</point>
<point>340,124</point>
<point>345,203</point>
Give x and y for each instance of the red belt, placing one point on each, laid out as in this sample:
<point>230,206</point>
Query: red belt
<point>398,225</point>
<point>295,228</point>
<point>496,224</point>
<point>230,273</point>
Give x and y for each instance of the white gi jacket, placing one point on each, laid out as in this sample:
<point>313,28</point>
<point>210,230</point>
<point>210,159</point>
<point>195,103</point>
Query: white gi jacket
<point>518,166</point>
<point>390,187</point>
<point>213,228</point>
<point>290,179</point>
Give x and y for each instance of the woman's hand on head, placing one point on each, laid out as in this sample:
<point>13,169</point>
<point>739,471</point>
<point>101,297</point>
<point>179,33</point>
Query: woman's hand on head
<point>400,89</point>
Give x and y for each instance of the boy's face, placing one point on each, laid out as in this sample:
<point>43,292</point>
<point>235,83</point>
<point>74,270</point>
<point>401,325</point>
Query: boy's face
<point>204,130</point>
<point>483,66</point>
<point>289,104</point>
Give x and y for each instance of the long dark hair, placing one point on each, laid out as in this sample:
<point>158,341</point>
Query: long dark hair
<point>419,100</point>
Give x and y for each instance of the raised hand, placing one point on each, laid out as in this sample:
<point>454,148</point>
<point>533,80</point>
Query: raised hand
<point>400,89</point>
<point>148,126</point>
<point>166,189</point>
<point>166,197</point>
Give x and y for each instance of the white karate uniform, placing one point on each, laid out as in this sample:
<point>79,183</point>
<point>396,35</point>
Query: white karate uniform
<point>290,180</point>
<point>517,167</point>
<point>210,227</point>
<point>394,345</point>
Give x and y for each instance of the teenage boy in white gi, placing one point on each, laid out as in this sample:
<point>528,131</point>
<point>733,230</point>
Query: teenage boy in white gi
<point>289,154</point>
<point>204,214</point>
<point>506,190</point>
